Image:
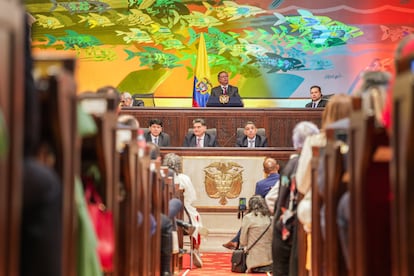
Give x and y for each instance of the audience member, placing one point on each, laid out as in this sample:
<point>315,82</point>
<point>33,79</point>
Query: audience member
<point>174,162</point>
<point>126,100</point>
<point>256,236</point>
<point>284,244</point>
<point>224,88</point>
<point>124,136</point>
<point>110,90</point>
<point>404,49</point>
<point>156,135</point>
<point>316,97</point>
<point>250,138</point>
<point>271,169</point>
<point>199,138</point>
<point>339,107</point>
<point>373,94</point>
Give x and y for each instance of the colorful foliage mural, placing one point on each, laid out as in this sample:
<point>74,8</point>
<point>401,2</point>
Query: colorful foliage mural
<point>272,49</point>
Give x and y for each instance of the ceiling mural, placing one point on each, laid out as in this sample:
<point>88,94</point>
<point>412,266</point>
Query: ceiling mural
<point>271,49</point>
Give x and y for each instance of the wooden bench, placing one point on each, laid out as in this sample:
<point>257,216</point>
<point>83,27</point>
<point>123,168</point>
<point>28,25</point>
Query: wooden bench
<point>370,235</point>
<point>59,131</point>
<point>98,150</point>
<point>317,245</point>
<point>334,188</point>
<point>402,169</point>
<point>12,79</point>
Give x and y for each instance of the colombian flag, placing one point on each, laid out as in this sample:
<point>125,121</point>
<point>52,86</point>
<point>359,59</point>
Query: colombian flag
<point>202,85</point>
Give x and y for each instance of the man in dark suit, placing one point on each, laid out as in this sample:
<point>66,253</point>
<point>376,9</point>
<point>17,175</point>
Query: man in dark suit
<point>316,96</point>
<point>250,138</point>
<point>224,88</point>
<point>155,134</point>
<point>199,138</point>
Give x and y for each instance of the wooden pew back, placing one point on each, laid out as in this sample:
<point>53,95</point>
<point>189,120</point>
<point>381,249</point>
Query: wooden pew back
<point>11,105</point>
<point>402,172</point>
<point>317,246</point>
<point>57,94</point>
<point>333,190</point>
<point>369,189</point>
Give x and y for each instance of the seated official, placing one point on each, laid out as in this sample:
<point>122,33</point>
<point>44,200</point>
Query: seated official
<point>126,100</point>
<point>316,96</point>
<point>250,138</point>
<point>199,138</point>
<point>224,88</point>
<point>155,134</point>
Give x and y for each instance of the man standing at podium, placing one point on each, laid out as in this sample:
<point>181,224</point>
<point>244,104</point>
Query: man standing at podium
<point>224,88</point>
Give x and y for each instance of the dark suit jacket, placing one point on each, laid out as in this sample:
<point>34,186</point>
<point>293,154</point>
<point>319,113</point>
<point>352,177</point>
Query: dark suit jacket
<point>190,140</point>
<point>163,139</point>
<point>322,103</point>
<point>259,142</point>
<point>232,91</point>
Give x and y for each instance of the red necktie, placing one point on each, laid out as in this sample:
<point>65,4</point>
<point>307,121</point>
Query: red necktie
<point>224,90</point>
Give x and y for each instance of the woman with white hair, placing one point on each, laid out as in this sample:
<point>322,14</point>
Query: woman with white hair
<point>284,244</point>
<point>174,162</point>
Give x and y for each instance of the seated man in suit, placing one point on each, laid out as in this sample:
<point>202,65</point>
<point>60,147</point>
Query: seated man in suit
<point>250,138</point>
<point>156,135</point>
<point>316,96</point>
<point>224,88</point>
<point>199,138</point>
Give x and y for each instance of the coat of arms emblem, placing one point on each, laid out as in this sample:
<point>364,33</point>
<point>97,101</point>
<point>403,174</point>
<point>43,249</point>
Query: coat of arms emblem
<point>223,180</point>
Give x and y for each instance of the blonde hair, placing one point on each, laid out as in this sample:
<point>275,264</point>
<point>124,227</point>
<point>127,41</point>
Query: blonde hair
<point>339,106</point>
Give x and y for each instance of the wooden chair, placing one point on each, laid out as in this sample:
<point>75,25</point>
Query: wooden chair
<point>128,237</point>
<point>333,190</point>
<point>59,124</point>
<point>146,99</point>
<point>317,262</point>
<point>156,210</point>
<point>402,173</point>
<point>103,143</point>
<point>11,103</point>
<point>99,150</point>
<point>144,206</point>
<point>302,245</point>
<point>370,226</point>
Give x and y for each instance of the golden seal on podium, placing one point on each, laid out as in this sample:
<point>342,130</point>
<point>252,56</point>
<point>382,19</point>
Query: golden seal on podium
<point>224,99</point>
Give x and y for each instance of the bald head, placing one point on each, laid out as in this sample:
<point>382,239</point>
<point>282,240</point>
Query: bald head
<point>270,165</point>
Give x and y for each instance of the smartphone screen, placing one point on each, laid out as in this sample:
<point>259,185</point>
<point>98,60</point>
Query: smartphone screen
<point>242,204</point>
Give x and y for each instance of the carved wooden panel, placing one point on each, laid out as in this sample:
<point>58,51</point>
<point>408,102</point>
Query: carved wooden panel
<point>278,122</point>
